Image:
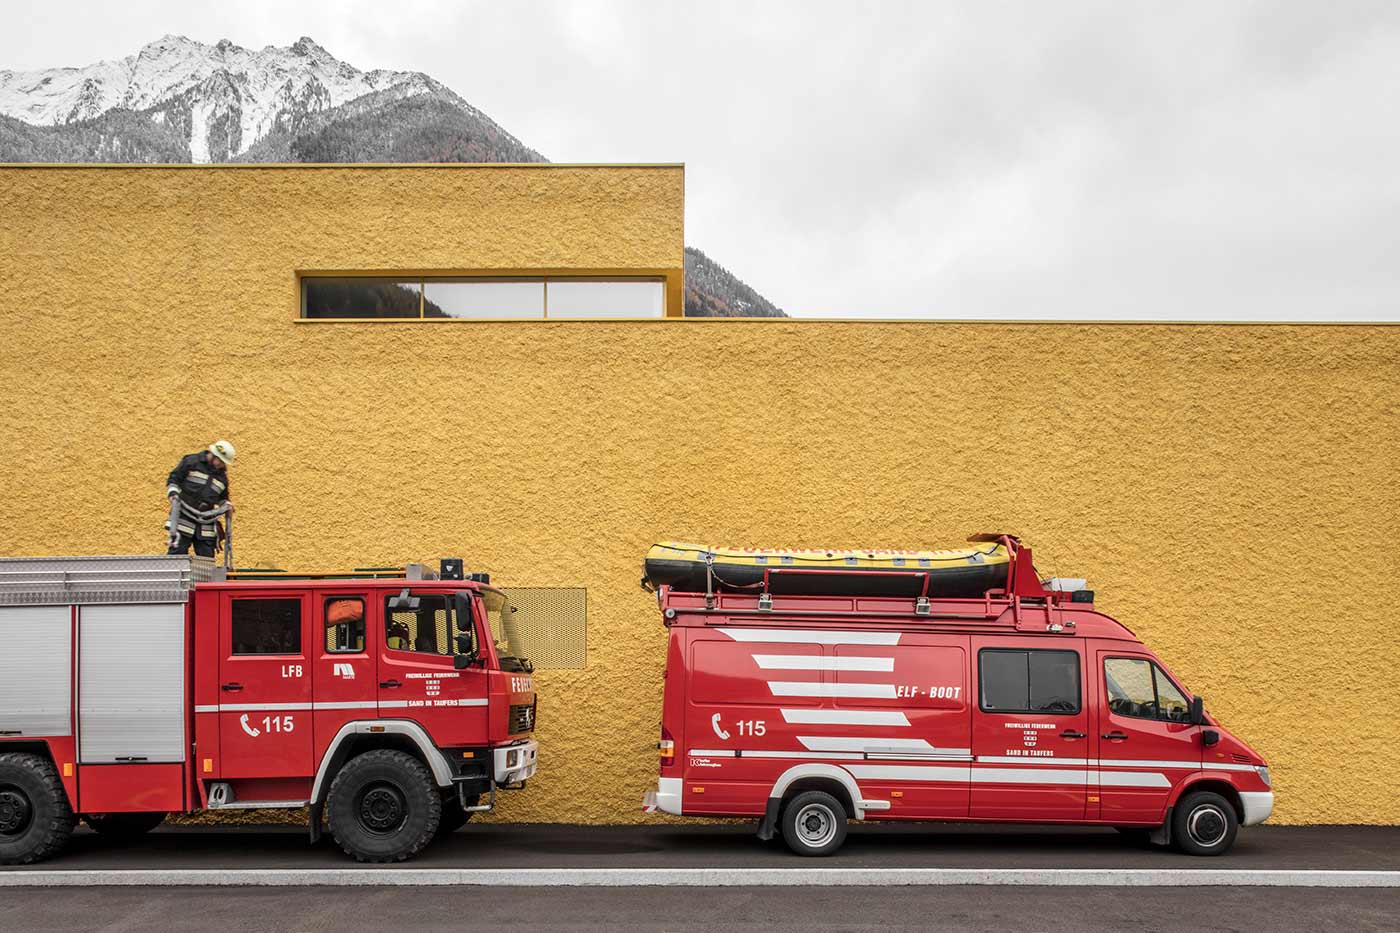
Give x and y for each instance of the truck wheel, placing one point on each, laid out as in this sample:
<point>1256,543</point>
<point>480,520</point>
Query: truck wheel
<point>383,806</point>
<point>35,818</point>
<point>123,825</point>
<point>453,816</point>
<point>1204,823</point>
<point>814,823</point>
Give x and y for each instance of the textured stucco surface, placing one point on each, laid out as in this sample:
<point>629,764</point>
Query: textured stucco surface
<point>1228,490</point>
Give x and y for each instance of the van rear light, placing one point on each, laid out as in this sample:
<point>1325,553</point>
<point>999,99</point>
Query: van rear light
<point>667,749</point>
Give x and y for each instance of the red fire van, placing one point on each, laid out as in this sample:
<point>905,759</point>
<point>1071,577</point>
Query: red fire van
<point>811,690</point>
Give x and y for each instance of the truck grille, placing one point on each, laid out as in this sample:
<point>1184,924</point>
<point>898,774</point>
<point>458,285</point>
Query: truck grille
<point>522,718</point>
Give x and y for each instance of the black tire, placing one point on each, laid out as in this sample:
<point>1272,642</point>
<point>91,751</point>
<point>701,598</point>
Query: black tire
<point>1204,823</point>
<point>383,806</point>
<point>813,823</point>
<point>453,816</point>
<point>35,818</point>
<point>123,825</point>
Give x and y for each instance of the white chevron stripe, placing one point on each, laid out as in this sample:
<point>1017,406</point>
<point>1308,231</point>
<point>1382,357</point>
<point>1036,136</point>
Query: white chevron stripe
<point>811,637</point>
<point>799,662</point>
<point>785,688</point>
<point>845,717</point>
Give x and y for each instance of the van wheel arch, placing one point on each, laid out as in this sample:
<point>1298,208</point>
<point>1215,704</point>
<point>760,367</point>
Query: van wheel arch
<point>806,777</point>
<point>1215,786</point>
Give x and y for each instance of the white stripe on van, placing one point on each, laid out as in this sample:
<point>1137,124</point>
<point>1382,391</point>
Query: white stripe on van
<point>787,688</point>
<point>845,717</point>
<point>807,637</point>
<point>841,743</point>
<point>800,662</point>
<point>1133,779</point>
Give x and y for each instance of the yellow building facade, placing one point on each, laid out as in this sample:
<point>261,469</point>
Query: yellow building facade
<point>1228,490</point>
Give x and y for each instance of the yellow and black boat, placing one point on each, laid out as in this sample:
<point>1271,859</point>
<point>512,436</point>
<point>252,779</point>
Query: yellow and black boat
<point>951,574</point>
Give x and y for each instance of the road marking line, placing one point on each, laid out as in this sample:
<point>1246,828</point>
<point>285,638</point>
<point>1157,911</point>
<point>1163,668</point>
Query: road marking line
<point>704,877</point>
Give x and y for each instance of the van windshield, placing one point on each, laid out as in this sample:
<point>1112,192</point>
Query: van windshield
<point>505,631</point>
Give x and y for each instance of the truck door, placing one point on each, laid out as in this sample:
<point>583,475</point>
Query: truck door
<point>1146,741</point>
<point>1030,730</point>
<point>417,678</point>
<point>265,685</point>
<point>345,677</point>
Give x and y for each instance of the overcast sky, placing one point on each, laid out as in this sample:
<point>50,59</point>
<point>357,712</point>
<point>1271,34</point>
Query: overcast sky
<point>1119,160</point>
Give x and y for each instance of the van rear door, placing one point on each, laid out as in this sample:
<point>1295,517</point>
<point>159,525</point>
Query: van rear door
<point>1030,730</point>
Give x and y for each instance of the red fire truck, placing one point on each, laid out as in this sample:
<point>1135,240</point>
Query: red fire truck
<point>393,702</point>
<point>812,688</point>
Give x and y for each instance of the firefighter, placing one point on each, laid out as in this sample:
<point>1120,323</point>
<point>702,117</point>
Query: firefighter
<point>200,483</point>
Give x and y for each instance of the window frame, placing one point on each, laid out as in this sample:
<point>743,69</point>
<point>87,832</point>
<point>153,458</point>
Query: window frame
<point>1078,682</point>
<point>1154,668</point>
<point>299,623</point>
<point>447,602</point>
<point>665,279</point>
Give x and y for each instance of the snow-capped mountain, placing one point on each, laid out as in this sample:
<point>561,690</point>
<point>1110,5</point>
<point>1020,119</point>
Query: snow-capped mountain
<point>221,98</point>
<point>178,100</point>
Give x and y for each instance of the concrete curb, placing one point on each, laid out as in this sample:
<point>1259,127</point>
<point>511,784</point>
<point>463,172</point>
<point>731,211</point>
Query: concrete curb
<point>702,877</point>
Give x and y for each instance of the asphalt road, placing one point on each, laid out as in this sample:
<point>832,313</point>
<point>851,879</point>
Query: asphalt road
<point>347,910</point>
<point>735,846</point>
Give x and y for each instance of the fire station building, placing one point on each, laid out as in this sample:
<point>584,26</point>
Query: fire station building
<point>491,362</point>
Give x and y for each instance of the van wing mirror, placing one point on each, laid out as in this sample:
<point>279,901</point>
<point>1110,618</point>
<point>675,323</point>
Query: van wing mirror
<point>465,642</point>
<point>1198,711</point>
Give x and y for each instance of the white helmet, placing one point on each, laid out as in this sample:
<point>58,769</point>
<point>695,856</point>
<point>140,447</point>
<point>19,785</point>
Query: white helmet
<point>223,450</point>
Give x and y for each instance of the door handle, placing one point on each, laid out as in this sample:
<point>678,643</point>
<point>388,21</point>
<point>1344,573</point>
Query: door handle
<point>1115,736</point>
<point>1071,734</point>
<point>390,683</point>
<point>230,687</point>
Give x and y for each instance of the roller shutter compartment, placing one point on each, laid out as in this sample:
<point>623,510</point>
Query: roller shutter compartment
<point>132,686</point>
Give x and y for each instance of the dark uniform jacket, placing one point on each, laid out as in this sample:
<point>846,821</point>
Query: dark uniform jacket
<point>197,483</point>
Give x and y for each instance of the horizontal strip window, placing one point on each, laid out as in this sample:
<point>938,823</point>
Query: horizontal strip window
<point>546,298</point>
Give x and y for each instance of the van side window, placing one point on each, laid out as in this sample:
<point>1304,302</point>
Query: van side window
<point>1139,689</point>
<point>1033,680</point>
<point>266,626</point>
<point>345,625</point>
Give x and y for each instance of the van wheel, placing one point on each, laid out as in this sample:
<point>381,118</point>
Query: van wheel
<point>1204,823</point>
<point>35,818</point>
<point>123,825</point>
<point>383,806</point>
<point>814,823</point>
<point>453,816</point>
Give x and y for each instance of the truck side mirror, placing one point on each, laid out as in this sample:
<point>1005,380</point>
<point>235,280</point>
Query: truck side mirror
<point>1198,711</point>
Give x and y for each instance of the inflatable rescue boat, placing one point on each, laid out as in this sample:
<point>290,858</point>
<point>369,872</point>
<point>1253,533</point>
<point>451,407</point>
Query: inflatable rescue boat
<point>951,574</point>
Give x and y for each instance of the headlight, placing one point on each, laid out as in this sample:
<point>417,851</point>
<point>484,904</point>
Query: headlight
<point>513,759</point>
<point>1263,772</point>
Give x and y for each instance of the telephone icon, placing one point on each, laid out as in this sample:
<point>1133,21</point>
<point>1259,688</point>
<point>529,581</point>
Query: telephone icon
<point>243,721</point>
<point>719,730</point>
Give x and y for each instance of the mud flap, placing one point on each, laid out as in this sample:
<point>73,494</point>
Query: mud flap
<point>314,822</point>
<point>1162,835</point>
<point>768,826</point>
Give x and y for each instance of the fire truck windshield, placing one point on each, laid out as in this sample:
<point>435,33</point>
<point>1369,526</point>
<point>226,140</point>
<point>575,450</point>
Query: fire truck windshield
<point>505,631</point>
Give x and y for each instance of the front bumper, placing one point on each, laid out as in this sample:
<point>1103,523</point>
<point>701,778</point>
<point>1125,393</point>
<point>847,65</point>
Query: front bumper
<point>666,797</point>
<point>511,764</point>
<point>1257,806</point>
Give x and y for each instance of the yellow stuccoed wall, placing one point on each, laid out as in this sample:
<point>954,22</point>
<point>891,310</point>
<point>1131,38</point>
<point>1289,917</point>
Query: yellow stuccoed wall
<point>1229,491</point>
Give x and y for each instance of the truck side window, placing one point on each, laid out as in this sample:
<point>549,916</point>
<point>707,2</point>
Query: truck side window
<point>1139,689</point>
<point>1032,680</point>
<point>266,626</point>
<point>423,629</point>
<point>345,625</point>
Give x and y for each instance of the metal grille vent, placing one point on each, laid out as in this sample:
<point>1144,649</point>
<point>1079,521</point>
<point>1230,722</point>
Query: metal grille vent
<point>522,718</point>
<point>552,623</point>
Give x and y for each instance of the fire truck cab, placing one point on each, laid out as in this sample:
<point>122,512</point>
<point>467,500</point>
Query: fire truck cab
<point>392,702</point>
<point>798,698</point>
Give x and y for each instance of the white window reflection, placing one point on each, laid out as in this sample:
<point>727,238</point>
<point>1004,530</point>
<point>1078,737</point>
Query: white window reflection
<point>483,298</point>
<point>606,299</point>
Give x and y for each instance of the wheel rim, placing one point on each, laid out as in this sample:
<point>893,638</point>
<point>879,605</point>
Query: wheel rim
<point>816,825</point>
<point>1207,825</point>
<point>382,809</point>
<point>16,812</point>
